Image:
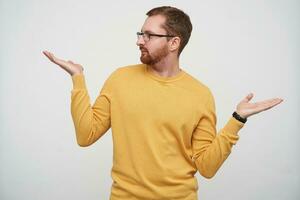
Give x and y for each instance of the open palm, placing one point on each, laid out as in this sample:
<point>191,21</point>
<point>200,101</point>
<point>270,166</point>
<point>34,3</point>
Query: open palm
<point>246,109</point>
<point>69,66</point>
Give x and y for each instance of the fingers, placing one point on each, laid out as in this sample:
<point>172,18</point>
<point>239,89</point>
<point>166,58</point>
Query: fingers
<point>50,56</point>
<point>270,102</point>
<point>253,108</point>
<point>250,95</point>
<point>54,59</point>
<point>69,66</point>
<point>267,104</point>
<point>46,53</point>
<point>247,98</point>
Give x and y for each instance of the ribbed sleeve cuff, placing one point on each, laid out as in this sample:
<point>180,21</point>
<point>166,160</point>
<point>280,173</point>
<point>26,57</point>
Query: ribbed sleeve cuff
<point>233,126</point>
<point>78,81</point>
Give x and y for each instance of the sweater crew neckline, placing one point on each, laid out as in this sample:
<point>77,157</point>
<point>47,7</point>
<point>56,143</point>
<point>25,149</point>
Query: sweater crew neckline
<point>157,77</point>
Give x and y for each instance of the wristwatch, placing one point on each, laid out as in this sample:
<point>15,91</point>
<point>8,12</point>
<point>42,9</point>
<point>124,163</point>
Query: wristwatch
<point>238,117</point>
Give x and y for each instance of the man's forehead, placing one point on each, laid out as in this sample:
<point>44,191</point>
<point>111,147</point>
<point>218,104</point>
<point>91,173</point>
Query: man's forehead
<point>153,24</point>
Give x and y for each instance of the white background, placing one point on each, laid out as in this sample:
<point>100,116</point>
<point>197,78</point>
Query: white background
<point>236,47</point>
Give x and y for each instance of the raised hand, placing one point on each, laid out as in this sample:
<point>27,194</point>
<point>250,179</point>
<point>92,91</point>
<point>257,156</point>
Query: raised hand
<point>69,66</point>
<point>245,109</point>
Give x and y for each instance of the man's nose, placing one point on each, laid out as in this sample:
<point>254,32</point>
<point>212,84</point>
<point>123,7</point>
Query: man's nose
<point>140,41</point>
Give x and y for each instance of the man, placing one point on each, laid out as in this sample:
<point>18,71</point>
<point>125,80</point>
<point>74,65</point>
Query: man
<point>163,119</point>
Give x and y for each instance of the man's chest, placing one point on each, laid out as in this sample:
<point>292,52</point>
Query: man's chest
<point>158,103</point>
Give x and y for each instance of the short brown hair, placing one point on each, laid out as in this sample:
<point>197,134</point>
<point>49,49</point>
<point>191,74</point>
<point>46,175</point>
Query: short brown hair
<point>177,23</point>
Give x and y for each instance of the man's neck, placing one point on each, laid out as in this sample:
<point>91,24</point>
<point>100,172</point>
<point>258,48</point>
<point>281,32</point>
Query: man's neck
<point>166,67</point>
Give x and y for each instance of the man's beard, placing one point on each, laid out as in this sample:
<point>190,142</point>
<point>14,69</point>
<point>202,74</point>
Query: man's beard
<point>157,56</point>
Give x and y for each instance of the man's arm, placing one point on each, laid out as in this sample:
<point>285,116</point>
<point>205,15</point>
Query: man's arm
<point>90,122</point>
<point>210,149</point>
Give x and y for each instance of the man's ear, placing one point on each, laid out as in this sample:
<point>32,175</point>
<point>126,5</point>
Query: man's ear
<point>174,43</point>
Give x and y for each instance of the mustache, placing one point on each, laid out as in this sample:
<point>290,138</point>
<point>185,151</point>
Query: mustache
<point>143,49</point>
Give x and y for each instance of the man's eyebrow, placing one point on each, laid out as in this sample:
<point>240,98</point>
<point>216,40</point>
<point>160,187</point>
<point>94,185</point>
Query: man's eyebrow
<point>147,31</point>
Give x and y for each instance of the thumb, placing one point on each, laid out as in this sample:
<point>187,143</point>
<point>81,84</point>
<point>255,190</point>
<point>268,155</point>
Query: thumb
<point>248,98</point>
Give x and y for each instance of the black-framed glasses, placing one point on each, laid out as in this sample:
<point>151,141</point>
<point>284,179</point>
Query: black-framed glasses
<point>147,36</point>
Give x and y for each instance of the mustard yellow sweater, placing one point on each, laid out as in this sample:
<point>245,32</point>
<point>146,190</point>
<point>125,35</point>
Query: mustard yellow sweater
<point>163,130</point>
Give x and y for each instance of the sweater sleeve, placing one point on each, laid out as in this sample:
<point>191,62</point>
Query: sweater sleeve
<point>210,149</point>
<point>91,122</point>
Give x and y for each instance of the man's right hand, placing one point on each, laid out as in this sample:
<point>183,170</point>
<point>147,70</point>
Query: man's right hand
<point>69,66</point>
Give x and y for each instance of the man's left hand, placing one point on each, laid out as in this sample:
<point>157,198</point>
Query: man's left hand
<point>245,109</point>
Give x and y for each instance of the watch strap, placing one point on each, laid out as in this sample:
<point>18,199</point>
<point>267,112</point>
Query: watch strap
<point>238,117</point>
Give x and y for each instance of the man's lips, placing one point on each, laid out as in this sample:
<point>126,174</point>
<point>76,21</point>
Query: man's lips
<point>143,50</point>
